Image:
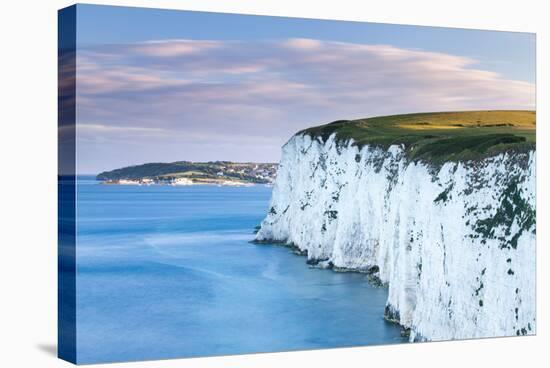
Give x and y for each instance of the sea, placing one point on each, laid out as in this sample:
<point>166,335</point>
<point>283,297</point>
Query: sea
<point>170,272</point>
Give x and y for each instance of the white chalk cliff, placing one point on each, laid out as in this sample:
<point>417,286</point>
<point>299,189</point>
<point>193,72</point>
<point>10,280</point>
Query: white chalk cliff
<point>454,243</point>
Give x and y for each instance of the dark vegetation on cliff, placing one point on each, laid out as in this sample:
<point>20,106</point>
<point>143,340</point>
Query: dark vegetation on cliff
<point>439,136</point>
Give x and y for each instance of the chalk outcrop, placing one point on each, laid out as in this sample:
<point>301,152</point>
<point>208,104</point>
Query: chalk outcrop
<point>455,243</point>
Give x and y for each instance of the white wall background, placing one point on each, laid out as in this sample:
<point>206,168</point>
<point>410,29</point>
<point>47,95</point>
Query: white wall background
<point>28,181</point>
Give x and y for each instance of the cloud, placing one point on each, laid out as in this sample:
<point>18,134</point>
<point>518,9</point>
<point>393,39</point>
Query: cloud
<point>175,48</point>
<point>303,44</point>
<point>98,128</point>
<point>298,71</point>
<point>267,90</point>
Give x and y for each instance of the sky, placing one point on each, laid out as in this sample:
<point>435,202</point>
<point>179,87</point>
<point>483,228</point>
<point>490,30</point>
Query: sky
<point>163,86</point>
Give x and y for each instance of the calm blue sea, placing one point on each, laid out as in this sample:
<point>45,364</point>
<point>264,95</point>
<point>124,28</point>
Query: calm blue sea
<point>165,272</point>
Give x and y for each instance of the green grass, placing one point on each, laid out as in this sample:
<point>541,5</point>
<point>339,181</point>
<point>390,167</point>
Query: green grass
<point>440,136</point>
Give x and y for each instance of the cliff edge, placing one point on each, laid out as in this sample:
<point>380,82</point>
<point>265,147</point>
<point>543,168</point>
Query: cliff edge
<point>453,238</point>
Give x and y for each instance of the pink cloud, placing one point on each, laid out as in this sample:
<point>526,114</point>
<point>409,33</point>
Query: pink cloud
<point>274,88</point>
<point>175,48</point>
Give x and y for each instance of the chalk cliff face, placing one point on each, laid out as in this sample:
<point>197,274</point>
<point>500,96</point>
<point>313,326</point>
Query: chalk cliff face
<point>455,243</point>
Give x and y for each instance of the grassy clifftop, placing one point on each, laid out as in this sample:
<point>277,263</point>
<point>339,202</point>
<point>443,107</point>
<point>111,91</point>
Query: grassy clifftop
<point>439,136</point>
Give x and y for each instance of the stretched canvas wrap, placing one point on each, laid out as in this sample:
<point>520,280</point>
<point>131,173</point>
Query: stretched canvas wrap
<point>234,184</point>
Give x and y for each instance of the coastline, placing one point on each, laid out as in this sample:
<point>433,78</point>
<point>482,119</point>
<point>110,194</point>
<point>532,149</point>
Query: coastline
<point>222,183</point>
<point>418,263</point>
<point>372,274</point>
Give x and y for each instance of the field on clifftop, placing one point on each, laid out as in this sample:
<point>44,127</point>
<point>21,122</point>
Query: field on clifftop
<point>440,136</point>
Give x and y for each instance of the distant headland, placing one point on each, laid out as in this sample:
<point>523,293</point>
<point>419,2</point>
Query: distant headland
<point>193,173</point>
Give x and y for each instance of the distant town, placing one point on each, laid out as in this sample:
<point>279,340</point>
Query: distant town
<point>224,173</point>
